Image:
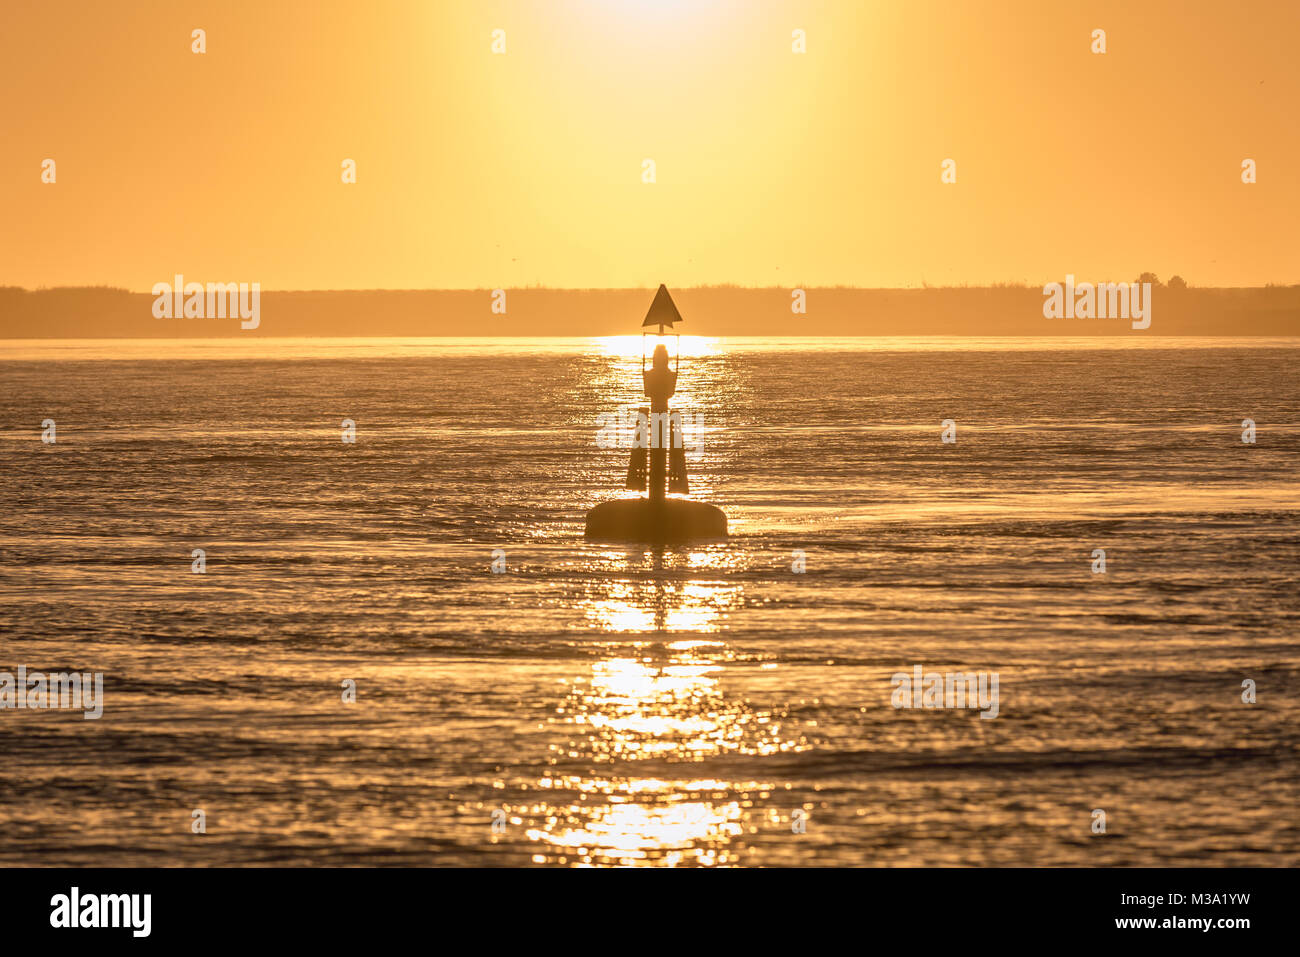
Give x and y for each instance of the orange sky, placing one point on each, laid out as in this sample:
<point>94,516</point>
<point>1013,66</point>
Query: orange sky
<point>484,170</point>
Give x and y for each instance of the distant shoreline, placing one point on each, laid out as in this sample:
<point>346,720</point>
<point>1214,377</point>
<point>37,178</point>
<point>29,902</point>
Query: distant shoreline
<point>730,311</point>
<point>441,348</point>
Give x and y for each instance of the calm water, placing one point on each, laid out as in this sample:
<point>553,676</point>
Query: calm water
<point>614,705</point>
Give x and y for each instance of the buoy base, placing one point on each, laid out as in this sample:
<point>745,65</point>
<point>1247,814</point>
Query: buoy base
<point>670,520</point>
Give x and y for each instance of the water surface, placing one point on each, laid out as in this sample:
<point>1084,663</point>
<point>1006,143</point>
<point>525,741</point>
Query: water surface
<point>596,704</point>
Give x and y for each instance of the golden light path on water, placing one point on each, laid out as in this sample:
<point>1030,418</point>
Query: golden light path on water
<point>632,784</point>
<point>654,698</point>
<point>657,696</point>
<point>690,347</point>
<point>667,706</point>
<point>686,606</point>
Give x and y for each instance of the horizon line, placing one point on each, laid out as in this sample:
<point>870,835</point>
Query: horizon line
<point>923,287</point>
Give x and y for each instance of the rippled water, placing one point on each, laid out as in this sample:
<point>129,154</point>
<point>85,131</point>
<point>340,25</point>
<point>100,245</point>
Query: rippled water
<point>599,704</point>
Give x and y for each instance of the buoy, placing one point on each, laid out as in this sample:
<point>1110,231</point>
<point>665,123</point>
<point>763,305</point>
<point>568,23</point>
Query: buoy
<point>658,465</point>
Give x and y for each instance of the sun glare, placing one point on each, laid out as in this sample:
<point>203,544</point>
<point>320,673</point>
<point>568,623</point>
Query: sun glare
<point>632,347</point>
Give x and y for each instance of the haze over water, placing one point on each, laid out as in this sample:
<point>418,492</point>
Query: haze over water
<point>630,706</point>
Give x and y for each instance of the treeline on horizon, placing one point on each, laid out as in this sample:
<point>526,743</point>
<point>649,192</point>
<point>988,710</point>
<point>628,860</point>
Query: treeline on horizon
<point>1002,309</point>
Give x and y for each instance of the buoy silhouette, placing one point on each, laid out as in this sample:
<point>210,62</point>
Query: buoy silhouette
<point>658,463</point>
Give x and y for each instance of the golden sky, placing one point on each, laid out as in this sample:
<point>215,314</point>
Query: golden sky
<point>477,169</point>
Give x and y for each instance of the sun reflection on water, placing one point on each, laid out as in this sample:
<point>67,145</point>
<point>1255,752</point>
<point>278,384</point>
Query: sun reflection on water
<point>667,830</point>
<point>657,702</point>
<point>659,607</point>
<point>632,347</point>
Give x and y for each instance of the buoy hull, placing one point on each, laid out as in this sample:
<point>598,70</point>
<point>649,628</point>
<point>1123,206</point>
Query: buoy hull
<point>670,520</point>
